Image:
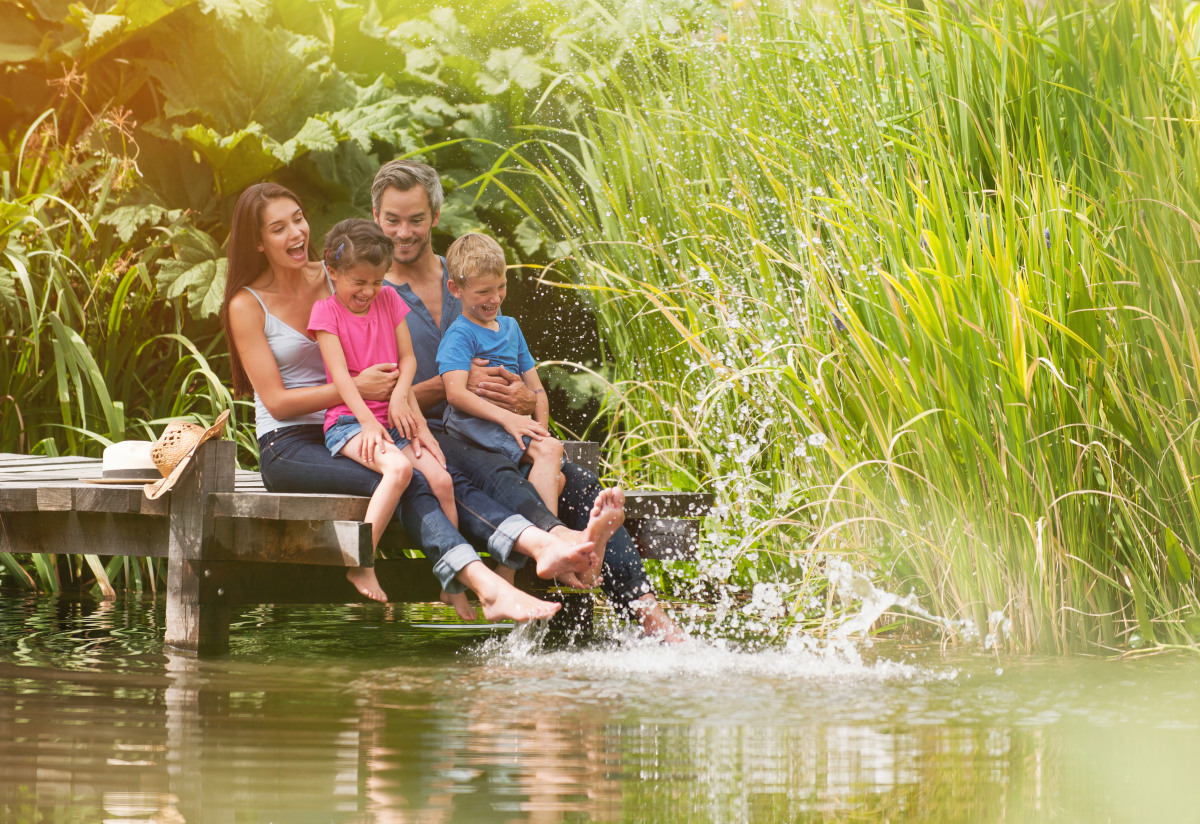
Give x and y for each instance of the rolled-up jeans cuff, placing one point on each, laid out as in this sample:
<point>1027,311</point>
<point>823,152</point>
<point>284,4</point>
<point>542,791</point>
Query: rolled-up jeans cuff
<point>621,601</point>
<point>500,545</point>
<point>451,563</point>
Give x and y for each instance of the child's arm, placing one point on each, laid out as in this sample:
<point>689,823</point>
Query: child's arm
<point>335,362</point>
<point>463,400</point>
<point>541,407</point>
<point>404,409</point>
<point>400,406</point>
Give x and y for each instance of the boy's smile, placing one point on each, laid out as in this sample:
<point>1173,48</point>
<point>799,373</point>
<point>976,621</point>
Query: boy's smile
<point>481,298</point>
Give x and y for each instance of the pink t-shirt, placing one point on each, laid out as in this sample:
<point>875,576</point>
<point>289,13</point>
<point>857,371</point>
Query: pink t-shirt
<point>366,339</point>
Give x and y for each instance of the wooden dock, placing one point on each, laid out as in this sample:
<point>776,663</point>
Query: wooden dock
<point>229,542</point>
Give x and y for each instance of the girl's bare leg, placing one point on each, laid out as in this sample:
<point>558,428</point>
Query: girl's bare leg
<point>438,478</point>
<point>396,472</point>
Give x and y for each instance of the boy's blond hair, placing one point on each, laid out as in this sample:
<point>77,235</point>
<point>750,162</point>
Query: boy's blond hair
<point>474,255</point>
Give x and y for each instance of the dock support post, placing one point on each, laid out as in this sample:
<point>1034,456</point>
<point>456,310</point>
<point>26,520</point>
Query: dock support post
<point>194,624</point>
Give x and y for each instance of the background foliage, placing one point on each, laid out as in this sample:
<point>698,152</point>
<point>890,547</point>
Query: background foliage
<point>915,284</point>
<point>910,284</point>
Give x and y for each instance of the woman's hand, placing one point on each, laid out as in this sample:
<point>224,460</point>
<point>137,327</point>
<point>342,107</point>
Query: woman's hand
<point>374,438</point>
<point>375,383</point>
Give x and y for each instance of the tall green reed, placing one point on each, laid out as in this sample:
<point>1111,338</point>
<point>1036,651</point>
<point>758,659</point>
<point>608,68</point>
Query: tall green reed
<point>912,285</point>
<point>91,346</point>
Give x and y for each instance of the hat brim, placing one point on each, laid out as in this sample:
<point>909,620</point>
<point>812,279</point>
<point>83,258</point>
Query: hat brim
<point>116,481</point>
<point>161,487</point>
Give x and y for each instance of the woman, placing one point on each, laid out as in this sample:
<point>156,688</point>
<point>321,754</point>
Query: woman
<point>272,282</point>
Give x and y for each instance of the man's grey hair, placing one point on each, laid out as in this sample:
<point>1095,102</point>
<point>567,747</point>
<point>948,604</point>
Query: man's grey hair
<point>406,174</point>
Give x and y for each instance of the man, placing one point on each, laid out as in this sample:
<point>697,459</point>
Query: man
<point>406,199</point>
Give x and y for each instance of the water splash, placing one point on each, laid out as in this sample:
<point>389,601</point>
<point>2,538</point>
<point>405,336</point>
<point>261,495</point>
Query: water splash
<point>630,656</point>
<point>851,585</point>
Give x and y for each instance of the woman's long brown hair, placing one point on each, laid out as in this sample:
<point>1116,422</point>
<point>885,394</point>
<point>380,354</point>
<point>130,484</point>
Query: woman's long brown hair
<point>245,262</point>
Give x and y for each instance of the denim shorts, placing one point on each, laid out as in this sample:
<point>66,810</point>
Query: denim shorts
<point>487,435</point>
<point>346,427</point>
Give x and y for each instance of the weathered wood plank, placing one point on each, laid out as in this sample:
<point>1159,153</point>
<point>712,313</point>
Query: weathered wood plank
<point>55,499</point>
<point>287,506</point>
<point>584,453</point>
<point>193,623</point>
<point>97,498</point>
<point>18,498</point>
<point>664,539</point>
<point>272,505</point>
<point>86,533</point>
<point>319,543</point>
<point>667,504</point>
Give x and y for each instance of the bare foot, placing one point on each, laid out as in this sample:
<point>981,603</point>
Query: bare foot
<point>608,513</point>
<point>655,622</point>
<point>560,558</point>
<point>462,606</point>
<point>507,573</point>
<point>365,582</point>
<point>510,604</point>
<point>500,600</point>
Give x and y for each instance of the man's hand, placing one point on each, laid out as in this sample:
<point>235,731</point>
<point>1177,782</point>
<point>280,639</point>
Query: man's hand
<point>501,387</point>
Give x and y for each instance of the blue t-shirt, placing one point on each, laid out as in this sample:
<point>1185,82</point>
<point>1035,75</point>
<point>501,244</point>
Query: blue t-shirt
<point>464,340</point>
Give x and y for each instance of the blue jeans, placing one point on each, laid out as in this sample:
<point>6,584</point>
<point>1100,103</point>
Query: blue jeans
<point>499,478</point>
<point>294,459</point>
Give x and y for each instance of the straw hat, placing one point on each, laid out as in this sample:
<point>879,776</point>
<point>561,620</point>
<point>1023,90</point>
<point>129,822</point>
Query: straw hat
<point>127,462</point>
<point>175,448</point>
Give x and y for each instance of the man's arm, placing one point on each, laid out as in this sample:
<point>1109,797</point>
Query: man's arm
<point>429,393</point>
<point>501,387</point>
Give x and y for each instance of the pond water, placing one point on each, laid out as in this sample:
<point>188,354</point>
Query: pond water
<point>373,714</point>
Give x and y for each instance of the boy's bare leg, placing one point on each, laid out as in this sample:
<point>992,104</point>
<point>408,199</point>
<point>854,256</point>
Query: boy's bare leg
<point>507,573</point>
<point>396,472</point>
<point>655,622</point>
<point>460,602</point>
<point>545,459</point>
<point>501,601</point>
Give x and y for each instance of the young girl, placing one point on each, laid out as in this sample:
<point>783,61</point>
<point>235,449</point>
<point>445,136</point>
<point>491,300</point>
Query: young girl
<point>362,324</point>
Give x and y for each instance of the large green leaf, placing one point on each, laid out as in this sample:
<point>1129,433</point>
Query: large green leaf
<point>19,37</point>
<point>239,159</point>
<point>226,78</point>
<point>233,11</point>
<point>198,271</point>
<point>128,219</point>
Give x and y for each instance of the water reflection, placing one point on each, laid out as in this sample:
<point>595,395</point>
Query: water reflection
<point>385,715</point>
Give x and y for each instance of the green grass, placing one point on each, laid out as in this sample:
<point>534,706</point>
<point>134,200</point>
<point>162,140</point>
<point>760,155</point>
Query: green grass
<point>916,286</point>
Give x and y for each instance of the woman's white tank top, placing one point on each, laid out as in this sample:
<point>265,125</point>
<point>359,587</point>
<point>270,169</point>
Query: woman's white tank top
<point>300,365</point>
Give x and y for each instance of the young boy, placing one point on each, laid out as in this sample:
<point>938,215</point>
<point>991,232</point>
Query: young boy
<point>477,278</point>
